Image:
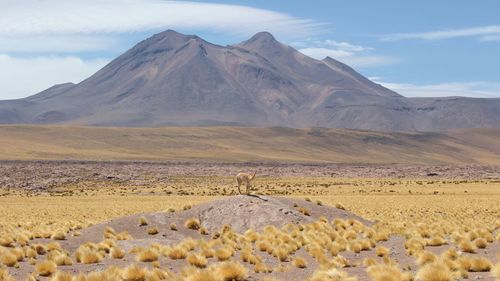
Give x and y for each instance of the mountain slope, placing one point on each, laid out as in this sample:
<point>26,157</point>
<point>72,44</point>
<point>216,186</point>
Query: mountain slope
<point>176,79</point>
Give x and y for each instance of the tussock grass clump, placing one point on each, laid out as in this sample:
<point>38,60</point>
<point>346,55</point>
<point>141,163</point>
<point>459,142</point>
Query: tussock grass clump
<point>173,226</point>
<point>231,271</point>
<point>480,265</point>
<point>495,271</point>
<point>9,259</point>
<point>46,268</point>
<point>143,221</point>
<point>133,273</point>
<point>148,255</point>
<point>436,241</point>
<point>6,241</point>
<point>152,231</point>
<point>224,254</point>
<point>331,275</point>
<point>261,267</point>
<point>58,235</point>
<point>203,231</point>
<point>202,275</point>
<point>382,251</point>
<point>87,256</point>
<point>62,276</point>
<point>436,272</point>
<point>5,275</point>
<point>339,206</point>
<point>304,211</point>
<point>384,272</point>
<point>192,223</point>
<point>467,246</point>
<point>480,243</point>
<point>117,253</point>
<point>299,262</point>
<point>177,253</point>
<point>197,260</point>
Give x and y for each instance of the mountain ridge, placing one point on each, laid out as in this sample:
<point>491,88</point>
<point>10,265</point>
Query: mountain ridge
<point>183,80</point>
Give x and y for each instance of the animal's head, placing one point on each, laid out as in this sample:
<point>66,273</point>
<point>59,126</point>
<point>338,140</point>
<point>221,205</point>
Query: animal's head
<point>254,173</point>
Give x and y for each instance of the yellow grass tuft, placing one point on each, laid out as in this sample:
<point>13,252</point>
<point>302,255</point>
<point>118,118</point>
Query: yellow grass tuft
<point>382,251</point>
<point>202,275</point>
<point>148,255</point>
<point>117,253</point>
<point>231,271</point>
<point>143,221</point>
<point>480,265</point>
<point>5,275</point>
<point>173,226</point>
<point>152,231</point>
<point>133,273</point>
<point>177,253</point>
<point>299,262</point>
<point>384,272</point>
<point>495,271</point>
<point>62,276</point>
<point>480,243</point>
<point>467,246</point>
<point>331,275</point>
<point>435,272</point>
<point>58,235</point>
<point>192,223</point>
<point>223,254</point>
<point>46,268</point>
<point>9,259</point>
<point>197,260</point>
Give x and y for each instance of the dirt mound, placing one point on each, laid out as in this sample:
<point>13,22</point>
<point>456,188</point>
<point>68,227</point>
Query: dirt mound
<point>239,212</point>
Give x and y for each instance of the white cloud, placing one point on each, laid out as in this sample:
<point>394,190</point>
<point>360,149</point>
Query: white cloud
<point>468,89</point>
<point>118,16</point>
<point>21,77</point>
<point>351,54</point>
<point>482,32</point>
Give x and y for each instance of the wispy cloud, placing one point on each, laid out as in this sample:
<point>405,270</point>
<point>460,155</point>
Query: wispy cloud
<point>478,89</point>
<point>117,16</point>
<point>21,77</point>
<point>480,32</point>
<point>354,55</point>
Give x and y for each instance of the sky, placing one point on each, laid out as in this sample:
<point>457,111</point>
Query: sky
<point>417,48</point>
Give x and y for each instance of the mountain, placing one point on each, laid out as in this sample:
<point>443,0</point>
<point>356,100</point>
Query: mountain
<point>171,79</point>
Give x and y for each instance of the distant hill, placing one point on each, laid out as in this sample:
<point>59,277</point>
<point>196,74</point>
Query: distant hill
<point>243,144</point>
<point>171,79</point>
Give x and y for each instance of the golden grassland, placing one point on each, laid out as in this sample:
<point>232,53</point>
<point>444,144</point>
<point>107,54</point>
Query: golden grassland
<point>460,215</point>
<point>242,144</point>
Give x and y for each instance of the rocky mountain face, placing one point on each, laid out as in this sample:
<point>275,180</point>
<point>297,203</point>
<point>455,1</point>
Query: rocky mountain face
<point>171,79</point>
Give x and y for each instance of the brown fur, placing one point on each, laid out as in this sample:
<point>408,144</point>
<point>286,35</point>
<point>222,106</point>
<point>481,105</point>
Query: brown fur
<point>244,178</point>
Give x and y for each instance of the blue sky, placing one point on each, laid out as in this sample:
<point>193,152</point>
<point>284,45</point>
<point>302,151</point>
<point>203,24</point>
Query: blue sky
<point>418,48</point>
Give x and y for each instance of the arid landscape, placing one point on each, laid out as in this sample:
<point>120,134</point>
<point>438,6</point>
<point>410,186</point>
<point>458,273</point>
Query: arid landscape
<point>185,221</point>
<point>219,140</point>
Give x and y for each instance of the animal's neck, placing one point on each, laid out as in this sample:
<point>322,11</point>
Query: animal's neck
<point>253,176</point>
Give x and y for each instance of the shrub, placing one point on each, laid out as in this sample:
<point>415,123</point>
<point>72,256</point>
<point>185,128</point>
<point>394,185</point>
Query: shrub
<point>467,246</point>
<point>46,268</point>
<point>435,272</point>
<point>117,253</point>
<point>383,272</point>
<point>481,243</point>
<point>480,265</point>
<point>223,254</point>
<point>177,253</point>
<point>197,260</point>
<point>62,276</point>
<point>9,259</point>
<point>143,221</point>
<point>173,227</point>
<point>382,251</point>
<point>153,231</point>
<point>148,255</point>
<point>58,235</point>
<point>299,262</point>
<point>192,223</point>
<point>133,273</point>
<point>231,271</point>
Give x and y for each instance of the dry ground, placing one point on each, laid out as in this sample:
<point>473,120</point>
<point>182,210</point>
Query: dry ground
<point>239,144</point>
<point>433,211</point>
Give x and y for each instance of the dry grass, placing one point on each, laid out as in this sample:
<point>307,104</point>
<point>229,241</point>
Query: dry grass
<point>192,223</point>
<point>46,268</point>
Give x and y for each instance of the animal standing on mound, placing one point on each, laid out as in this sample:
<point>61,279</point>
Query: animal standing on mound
<point>246,179</point>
